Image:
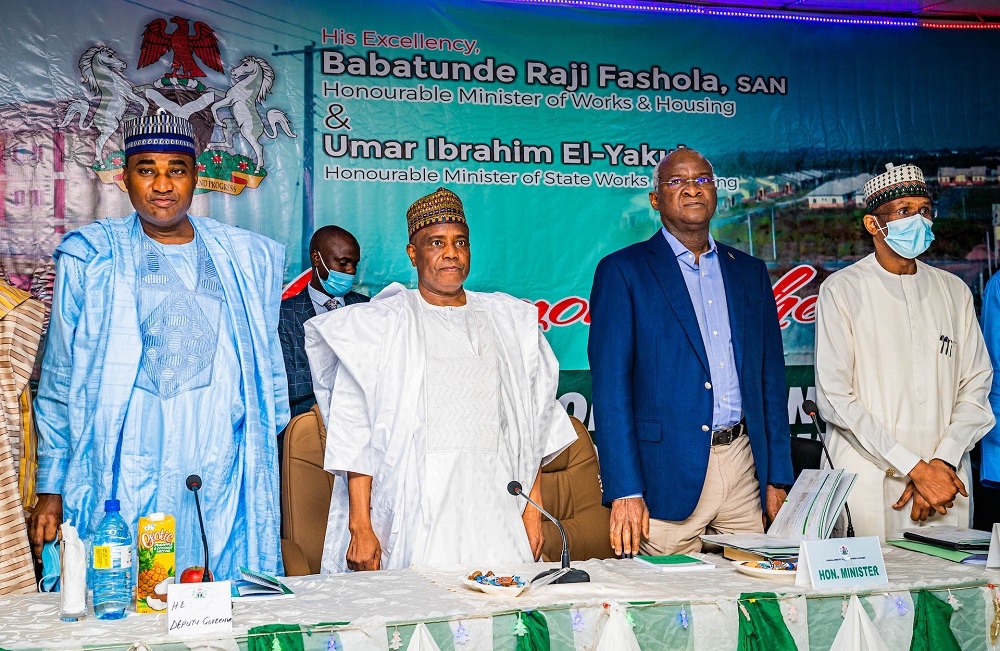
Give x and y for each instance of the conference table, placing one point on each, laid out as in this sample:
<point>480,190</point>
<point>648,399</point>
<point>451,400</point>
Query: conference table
<point>626,605</point>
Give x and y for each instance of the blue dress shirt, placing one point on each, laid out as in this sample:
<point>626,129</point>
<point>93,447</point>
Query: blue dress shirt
<point>708,295</point>
<point>319,300</point>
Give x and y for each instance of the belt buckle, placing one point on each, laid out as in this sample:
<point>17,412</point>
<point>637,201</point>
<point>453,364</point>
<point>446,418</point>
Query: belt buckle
<point>727,431</point>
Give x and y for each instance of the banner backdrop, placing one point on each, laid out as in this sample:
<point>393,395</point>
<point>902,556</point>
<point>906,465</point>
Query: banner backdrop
<point>547,121</point>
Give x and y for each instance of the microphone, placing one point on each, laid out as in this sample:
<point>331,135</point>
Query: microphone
<point>809,406</point>
<point>570,575</point>
<point>193,484</point>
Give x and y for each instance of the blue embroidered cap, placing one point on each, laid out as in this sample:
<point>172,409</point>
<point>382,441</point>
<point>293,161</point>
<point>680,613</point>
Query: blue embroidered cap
<point>159,133</point>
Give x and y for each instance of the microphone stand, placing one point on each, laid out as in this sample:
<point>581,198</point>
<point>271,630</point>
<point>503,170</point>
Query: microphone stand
<point>809,406</point>
<point>193,484</point>
<point>569,574</point>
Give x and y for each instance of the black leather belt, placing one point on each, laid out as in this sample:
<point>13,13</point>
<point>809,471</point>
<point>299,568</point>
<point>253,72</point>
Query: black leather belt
<point>729,434</point>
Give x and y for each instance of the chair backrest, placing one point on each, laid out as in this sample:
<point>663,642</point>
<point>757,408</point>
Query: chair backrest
<point>806,453</point>
<point>305,487</point>
<point>571,491</point>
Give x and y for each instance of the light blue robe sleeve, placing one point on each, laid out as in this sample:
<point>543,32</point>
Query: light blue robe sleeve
<point>282,411</point>
<point>990,465</point>
<point>52,402</point>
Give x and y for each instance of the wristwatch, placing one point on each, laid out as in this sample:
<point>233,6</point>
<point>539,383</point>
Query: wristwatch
<point>781,487</point>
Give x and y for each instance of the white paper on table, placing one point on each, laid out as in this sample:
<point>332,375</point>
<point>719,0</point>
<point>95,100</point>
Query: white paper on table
<point>753,541</point>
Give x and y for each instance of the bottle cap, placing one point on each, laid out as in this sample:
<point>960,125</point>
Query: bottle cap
<point>112,506</point>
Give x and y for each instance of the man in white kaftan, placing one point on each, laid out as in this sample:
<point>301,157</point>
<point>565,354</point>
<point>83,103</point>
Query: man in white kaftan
<point>902,373</point>
<point>441,404</point>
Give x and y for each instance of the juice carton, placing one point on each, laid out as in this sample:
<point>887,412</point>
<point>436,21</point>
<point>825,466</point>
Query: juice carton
<point>156,562</point>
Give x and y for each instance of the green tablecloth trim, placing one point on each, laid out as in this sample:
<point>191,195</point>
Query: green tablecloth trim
<point>275,637</point>
<point>537,635</point>
<point>932,624</point>
<point>762,627</point>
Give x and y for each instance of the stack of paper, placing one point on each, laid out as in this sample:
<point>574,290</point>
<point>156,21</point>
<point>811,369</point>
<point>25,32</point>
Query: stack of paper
<point>754,546</point>
<point>812,507</point>
<point>951,543</point>
<point>950,537</point>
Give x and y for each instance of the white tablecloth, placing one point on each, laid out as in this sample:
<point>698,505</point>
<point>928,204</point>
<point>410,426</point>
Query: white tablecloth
<point>437,594</point>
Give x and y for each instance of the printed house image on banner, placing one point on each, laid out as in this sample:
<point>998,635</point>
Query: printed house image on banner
<point>839,193</point>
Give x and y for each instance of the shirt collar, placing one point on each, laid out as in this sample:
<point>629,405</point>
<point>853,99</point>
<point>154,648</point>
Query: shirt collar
<point>320,298</point>
<point>679,249</point>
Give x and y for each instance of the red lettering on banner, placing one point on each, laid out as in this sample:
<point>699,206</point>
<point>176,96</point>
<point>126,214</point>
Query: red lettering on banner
<point>797,308</point>
<point>564,312</point>
<point>557,315</point>
<point>805,311</point>
<point>800,309</point>
<point>543,310</point>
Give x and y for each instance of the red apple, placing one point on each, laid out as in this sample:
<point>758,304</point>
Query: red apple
<point>195,574</point>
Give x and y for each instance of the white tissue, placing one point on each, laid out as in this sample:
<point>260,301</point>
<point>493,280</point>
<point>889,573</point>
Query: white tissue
<point>73,576</point>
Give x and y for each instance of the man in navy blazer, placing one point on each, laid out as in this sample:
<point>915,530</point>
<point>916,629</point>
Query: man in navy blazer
<point>334,255</point>
<point>688,375</point>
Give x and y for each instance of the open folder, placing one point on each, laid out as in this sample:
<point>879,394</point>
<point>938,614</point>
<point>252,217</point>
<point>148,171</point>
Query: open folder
<point>812,507</point>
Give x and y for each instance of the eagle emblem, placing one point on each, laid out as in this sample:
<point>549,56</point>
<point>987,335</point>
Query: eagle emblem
<point>231,122</point>
<point>204,45</point>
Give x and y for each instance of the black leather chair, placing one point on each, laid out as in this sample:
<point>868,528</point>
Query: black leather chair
<point>806,453</point>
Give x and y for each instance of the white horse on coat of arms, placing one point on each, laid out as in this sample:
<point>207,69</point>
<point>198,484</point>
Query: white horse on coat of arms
<point>102,72</point>
<point>252,81</point>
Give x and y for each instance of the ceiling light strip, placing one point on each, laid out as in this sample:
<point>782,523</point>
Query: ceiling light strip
<point>625,5</point>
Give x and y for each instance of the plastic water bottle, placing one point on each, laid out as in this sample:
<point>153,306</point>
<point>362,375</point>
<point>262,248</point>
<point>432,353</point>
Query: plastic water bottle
<point>112,564</point>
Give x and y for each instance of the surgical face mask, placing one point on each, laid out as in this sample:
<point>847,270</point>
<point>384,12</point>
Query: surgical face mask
<point>336,283</point>
<point>50,567</point>
<point>909,236</point>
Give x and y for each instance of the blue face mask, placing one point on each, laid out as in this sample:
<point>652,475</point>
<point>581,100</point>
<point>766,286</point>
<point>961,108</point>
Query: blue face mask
<point>910,236</point>
<point>50,567</point>
<point>336,283</point>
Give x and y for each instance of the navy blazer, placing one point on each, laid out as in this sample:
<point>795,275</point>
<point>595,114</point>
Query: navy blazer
<point>652,396</point>
<point>295,311</point>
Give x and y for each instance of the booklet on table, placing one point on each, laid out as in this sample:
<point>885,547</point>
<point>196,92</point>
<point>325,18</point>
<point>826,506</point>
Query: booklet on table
<point>257,585</point>
<point>676,563</point>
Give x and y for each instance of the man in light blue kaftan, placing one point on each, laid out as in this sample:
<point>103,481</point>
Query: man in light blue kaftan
<point>163,361</point>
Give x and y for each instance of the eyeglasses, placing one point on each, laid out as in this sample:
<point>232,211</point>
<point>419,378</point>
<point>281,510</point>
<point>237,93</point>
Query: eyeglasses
<point>903,213</point>
<point>701,181</point>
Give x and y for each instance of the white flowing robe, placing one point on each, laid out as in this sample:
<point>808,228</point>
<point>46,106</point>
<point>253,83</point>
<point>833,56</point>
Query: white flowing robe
<point>437,496</point>
<point>893,391</point>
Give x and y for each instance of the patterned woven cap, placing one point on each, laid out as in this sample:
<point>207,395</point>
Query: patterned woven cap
<point>441,207</point>
<point>895,182</point>
<point>158,134</point>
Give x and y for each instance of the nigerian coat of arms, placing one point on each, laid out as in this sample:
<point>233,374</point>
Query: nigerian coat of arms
<point>230,124</point>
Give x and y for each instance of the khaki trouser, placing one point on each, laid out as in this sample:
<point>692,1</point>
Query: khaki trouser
<point>729,503</point>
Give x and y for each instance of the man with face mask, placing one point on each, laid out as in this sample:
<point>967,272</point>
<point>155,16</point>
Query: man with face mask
<point>334,255</point>
<point>902,373</point>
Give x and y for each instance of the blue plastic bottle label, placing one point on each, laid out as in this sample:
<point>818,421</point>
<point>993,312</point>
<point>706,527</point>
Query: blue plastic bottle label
<point>112,557</point>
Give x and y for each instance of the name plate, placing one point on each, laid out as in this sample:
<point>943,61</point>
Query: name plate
<point>195,609</point>
<point>841,563</point>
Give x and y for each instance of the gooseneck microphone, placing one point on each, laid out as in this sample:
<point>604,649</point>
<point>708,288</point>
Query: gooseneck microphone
<point>809,406</point>
<point>570,575</point>
<point>193,484</point>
